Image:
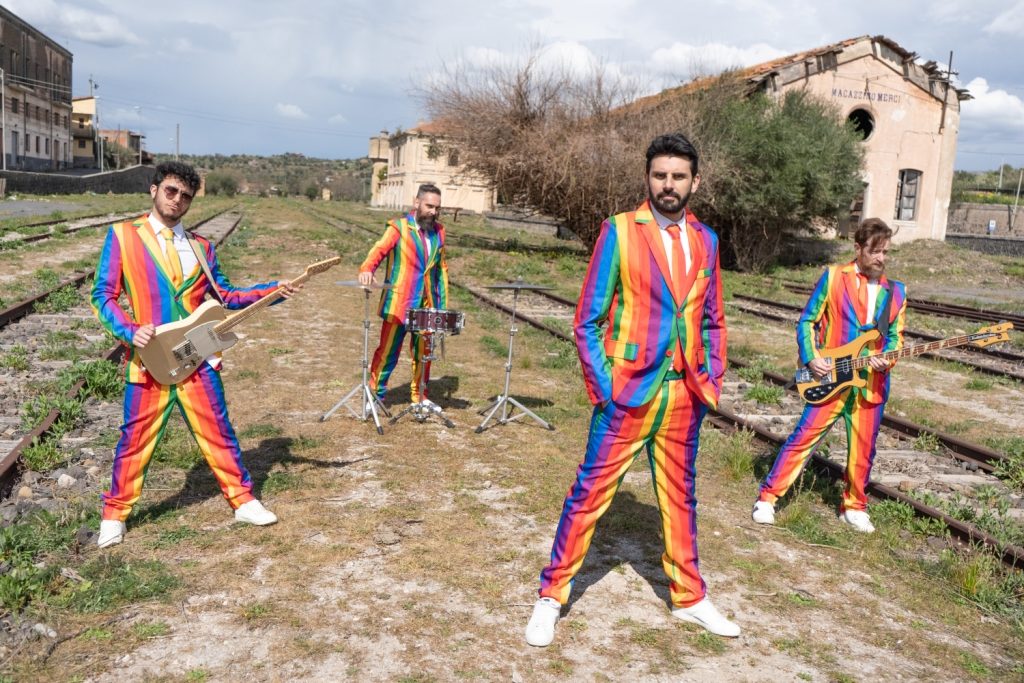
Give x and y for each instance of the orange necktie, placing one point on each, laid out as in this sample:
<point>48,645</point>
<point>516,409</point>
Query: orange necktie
<point>171,254</point>
<point>678,274</point>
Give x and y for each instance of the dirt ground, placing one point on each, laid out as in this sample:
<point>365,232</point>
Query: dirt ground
<point>414,556</point>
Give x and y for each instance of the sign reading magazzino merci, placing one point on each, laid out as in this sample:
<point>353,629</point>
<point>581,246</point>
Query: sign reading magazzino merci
<point>866,95</point>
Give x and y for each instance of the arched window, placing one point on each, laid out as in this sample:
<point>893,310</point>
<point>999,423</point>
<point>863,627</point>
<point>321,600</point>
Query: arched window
<point>863,122</point>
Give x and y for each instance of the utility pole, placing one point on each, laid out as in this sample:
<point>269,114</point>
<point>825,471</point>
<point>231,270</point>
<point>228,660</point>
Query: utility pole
<point>177,141</point>
<point>1016,199</point>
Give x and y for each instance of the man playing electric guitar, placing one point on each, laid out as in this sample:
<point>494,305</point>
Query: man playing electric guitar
<point>152,261</point>
<point>847,301</point>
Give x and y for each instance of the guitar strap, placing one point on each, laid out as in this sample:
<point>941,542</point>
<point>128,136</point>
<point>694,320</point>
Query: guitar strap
<point>882,325</point>
<point>201,256</point>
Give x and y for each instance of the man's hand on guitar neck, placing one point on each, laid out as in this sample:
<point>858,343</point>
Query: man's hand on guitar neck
<point>287,289</point>
<point>143,335</point>
<point>879,364</point>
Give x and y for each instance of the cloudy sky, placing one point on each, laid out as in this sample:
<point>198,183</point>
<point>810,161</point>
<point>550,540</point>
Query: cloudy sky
<point>319,76</point>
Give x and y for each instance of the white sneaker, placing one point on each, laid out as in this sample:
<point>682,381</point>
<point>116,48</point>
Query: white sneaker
<point>705,614</point>
<point>253,512</point>
<point>764,512</point>
<point>859,520</point>
<point>541,629</point>
<point>111,533</point>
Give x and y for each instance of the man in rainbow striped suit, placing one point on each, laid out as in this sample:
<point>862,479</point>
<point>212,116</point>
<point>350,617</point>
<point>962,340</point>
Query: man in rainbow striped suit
<point>848,301</point>
<point>418,274</point>
<point>651,375</point>
<point>152,262</point>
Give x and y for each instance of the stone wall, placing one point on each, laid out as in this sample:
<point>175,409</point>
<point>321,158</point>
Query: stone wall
<point>125,181</point>
<point>973,219</point>
<point>1000,246</point>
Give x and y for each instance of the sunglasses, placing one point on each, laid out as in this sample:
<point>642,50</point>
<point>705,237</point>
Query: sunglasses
<point>170,191</point>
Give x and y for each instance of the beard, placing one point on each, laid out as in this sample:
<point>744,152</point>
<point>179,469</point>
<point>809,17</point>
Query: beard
<point>668,202</point>
<point>425,221</point>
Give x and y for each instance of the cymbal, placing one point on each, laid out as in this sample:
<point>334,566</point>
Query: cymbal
<point>517,284</point>
<point>356,283</point>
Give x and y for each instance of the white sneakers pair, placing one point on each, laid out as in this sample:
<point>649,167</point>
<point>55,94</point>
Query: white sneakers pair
<point>764,513</point>
<point>540,630</point>
<point>112,531</point>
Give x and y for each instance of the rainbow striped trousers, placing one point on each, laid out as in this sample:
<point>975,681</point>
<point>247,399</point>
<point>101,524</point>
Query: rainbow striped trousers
<point>862,422</point>
<point>668,428</point>
<point>385,358</point>
<point>147,407</point>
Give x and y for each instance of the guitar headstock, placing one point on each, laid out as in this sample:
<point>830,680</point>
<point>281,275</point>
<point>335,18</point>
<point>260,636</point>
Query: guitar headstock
<point>993,334</point>
<point>321,266</point>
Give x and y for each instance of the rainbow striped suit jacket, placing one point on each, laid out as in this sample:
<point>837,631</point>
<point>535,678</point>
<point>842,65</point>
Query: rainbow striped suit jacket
<point>832,318</point>
<point>627,285</point>
<point>133,262</point>
<point>417,280</point>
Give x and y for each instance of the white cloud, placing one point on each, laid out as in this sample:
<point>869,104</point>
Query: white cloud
<point>992,108</point>
<point>290,111</point>
<point>76,23</point>
<point>337,120</point>
<point>690,61</point>
<point>1011,21</point>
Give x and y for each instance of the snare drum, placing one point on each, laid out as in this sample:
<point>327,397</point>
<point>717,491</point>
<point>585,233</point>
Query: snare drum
<point>435,320</point>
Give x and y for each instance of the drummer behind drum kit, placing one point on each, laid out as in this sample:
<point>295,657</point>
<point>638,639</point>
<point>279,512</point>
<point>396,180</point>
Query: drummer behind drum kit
<point>433,324</point>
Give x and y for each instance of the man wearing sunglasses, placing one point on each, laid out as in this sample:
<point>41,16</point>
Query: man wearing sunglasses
<point>153,262</point>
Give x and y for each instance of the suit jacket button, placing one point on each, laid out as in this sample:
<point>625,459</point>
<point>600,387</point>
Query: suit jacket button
<point>668,353</point>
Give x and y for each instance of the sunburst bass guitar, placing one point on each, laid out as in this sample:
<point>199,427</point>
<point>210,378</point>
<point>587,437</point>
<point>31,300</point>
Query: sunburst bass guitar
<point>178,348</point>
<point>847,360</point>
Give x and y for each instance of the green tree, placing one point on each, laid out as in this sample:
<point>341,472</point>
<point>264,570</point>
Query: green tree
<point>220,182</point>
<point>312,192</point>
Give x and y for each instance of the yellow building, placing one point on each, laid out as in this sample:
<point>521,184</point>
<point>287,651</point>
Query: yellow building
<point>407,159</point>
<point>83,133</point>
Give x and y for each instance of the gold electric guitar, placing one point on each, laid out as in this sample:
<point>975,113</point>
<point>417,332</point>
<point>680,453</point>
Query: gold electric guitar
<point>847,360</point>
<point>178,348</point>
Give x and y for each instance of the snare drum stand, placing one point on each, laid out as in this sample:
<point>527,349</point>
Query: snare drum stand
<point>424,410</point>
<point>369,401</point>
<point>504,399</point>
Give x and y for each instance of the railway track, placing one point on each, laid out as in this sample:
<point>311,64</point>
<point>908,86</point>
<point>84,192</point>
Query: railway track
<point>36,346</point>
<point>987,360</point>
<point>898,466</point>
<point>12,237</point>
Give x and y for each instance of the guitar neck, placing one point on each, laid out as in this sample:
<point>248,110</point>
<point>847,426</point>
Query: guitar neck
<point>916,350</point>
<point>252,309</point>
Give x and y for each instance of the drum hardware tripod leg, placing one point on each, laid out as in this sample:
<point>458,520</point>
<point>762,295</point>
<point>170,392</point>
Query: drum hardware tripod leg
<point>423,410</point>
<point>503,400</point>
<point>370,403</point>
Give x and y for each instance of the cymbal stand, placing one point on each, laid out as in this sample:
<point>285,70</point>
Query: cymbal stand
<point>370,403</point>
<point>503,400</point>
<point>424,410</point>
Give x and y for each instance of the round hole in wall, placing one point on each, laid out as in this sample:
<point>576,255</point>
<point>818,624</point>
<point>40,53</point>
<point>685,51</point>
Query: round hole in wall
<point>863,122</point>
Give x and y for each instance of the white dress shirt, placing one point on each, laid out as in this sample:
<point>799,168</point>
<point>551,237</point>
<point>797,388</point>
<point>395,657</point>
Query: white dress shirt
<point>666,238</point>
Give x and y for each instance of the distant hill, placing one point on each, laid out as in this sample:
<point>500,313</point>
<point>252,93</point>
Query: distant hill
<point>286,174</point>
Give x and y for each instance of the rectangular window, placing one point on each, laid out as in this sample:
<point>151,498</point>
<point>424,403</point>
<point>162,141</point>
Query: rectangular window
<point>14,106</point>
<point>81,143</point>
<point>37,144</point>
<point>906,194</point>
<point>14,142</point>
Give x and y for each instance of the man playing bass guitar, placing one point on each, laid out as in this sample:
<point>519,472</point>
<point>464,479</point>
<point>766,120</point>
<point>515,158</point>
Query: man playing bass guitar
<point>847,301</point>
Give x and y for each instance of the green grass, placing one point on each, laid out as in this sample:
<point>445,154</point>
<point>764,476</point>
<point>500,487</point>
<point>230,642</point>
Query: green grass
<point>16,358</point>
<point>978,384</point>
<point>113,581</point>
<point>63,299</point>
<point>260,431</point>
<point>494,346</point>
<point>42,456</point>
<point>765,394</point>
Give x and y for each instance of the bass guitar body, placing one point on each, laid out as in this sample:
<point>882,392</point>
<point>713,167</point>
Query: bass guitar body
<point>842,375</point>
<point>178,348</point>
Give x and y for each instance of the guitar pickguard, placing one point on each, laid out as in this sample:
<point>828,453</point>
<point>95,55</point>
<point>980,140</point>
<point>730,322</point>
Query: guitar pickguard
<point>820,389</point>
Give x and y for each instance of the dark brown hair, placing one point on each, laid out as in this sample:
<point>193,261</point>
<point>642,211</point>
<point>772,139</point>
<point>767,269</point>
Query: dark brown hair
<point>870,231</point>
